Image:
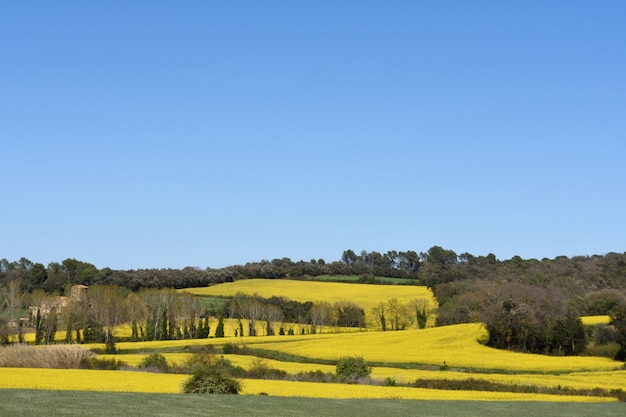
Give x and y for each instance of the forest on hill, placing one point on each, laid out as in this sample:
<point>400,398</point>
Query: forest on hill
<point>527,304</point>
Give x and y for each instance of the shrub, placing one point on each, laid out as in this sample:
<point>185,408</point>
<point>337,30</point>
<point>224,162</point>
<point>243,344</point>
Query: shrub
<point>211,380</point>
<point>235,349</point>
<point>352,368</point>
<point>105,364</point>
<point>312,376</point>
<point>154,361</point>
<point>261,370</point>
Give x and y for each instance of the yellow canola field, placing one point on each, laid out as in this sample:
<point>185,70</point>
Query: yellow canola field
<point>595,320</point>
<point>244,361</point>
<point>367,296</point>
<point>609,380</point>
<point>456,346</point>
<point>90,380</point>
<point>340,391</point>
<point>120,381</point>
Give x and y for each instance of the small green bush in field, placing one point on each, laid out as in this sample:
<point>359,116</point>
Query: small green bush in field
<point>352,369</point>
<point>105,364</point>
<point>154,361</point>
<point>211,380</point>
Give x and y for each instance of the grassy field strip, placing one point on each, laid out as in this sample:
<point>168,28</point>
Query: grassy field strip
<point>28,403</point>
<point>121,381</point>
<point>366,296</point>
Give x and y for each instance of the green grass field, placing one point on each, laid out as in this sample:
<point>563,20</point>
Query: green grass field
<point>28,403</point>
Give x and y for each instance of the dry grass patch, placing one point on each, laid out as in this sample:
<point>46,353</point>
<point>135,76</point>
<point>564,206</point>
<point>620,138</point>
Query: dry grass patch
<point>53,356</point>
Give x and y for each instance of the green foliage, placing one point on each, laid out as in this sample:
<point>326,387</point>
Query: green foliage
<point>110,343</point>
<point>618,320</point>
<point>566,335</point>
<point>351,369</point>
<point>105,364</point>
<point>261,370</point>
<point>219,330</point>
<point>471,384</point>
<point>235,349</point>
<point>211,380</point>
<point>154,361</point>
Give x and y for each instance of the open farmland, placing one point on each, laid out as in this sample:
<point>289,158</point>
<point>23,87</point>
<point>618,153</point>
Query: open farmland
<point>123,381</point>
<point>608,380</point>
<point>458,346</point>
<point>365,296</point>
<point>448,353</point>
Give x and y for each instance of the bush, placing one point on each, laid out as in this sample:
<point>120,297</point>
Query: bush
<point>235,349</point>
<point>352,368</point>
<point>211,380</point>
<point>311,376</point>
<point>261,370</point>
<point>154,361</point>
<point>105,364</point>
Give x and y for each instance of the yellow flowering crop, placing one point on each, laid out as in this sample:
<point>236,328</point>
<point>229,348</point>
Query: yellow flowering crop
<point>365,295</point>
<point>120,381</point>
<point>329,390</point>
<point>455,346</point>
<point>609,380</point>
<point>594,320</point>
<point>90,380</point>
<point>133,359</point>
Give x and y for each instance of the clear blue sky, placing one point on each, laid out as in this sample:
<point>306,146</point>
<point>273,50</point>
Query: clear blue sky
<point>169,134</point>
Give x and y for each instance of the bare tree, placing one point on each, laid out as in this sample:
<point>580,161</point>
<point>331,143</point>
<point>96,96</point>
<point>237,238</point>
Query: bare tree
<point>397,313</point>
<point>251,309</point>
<point>13,300</point>
<point>190,308</point>
<point>272,314</point>
<point>137,313</point>
<point>109,307</point>
<point>380,312</point>
<point>320,315</point>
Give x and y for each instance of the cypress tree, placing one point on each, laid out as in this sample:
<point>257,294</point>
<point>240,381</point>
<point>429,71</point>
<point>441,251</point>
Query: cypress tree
<point>219,331</point>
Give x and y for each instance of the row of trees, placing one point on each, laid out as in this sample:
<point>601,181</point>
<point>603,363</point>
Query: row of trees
<point>578,275</point>
<point>310,317</point>
<point>91,314</point>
